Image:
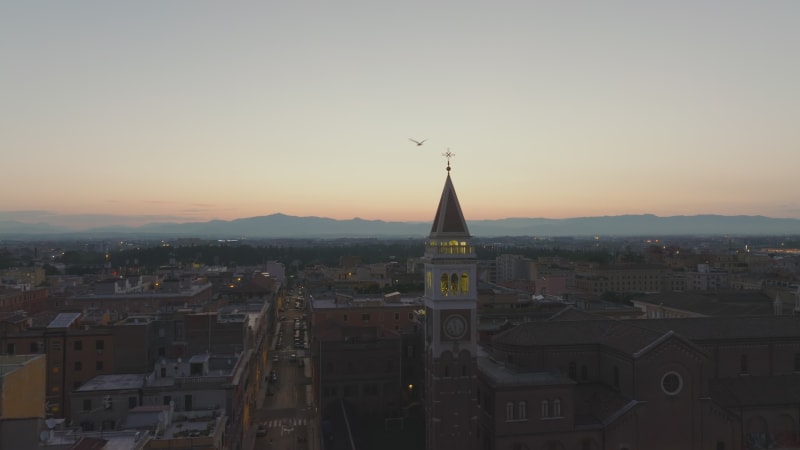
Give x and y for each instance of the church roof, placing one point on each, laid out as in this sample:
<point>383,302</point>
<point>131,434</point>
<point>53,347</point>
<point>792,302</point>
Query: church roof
<point>449,221</point>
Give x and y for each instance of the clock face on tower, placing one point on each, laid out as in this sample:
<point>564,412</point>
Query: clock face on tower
<point>455,326</point>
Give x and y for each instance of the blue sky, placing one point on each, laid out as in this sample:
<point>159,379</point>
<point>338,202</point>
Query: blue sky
<point>193,110</point>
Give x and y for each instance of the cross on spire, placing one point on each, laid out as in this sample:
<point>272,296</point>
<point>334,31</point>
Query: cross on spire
<point>448,154</point>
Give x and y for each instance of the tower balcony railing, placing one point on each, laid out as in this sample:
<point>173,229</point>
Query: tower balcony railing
<point>450,249</point>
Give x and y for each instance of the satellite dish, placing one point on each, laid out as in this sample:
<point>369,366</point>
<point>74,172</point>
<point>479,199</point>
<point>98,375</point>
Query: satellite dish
<point>44,436</point>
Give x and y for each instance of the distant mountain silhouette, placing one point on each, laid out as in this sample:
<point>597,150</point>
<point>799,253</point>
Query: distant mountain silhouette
<point>284,226</point>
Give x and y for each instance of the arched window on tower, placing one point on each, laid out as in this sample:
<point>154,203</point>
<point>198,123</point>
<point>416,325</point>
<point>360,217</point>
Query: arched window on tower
<point>444,284</point>
<point>454,284</point>
<point>465,283</point>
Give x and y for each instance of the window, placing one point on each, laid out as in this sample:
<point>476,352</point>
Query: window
<point>11,349</point>
<point>523,410</point>
<point>365,317</point>
<point>744,365</point>
<point>464,283</point>
<point>55,346</point>
<point>34,347</point>
<point>344,318</point>
<point>87,404</point>
<point>167,399</point>
<point>99,345</point>
<point>76,385</point>
<point>98,365</point>
<point>350,390</point>
<point>162,351</point>
<point>444,284</point>
<point>370,390</point>
<point>584,373</point>
<point>671,383</point>
<point>396,316</point>
<point>545,408</point>
<point>163,372</point>
<point>557,407</point>
<point>133,402</point>
<point>573,371</point>
<point>77,345</point>
<point>78,366</point>
<point>410,316</point>
<point>510,411</point>
<point>329,391</point>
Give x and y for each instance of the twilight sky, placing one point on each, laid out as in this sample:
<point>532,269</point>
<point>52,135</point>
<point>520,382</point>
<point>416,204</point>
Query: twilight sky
<point>195,110</point>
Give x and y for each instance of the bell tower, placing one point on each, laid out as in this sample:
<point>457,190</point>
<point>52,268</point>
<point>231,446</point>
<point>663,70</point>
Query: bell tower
<point>451,299</point>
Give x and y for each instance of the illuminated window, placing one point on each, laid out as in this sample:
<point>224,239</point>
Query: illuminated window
<point>465,283</point>
<point>444,284</point>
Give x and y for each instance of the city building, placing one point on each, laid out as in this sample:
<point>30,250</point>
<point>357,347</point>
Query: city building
<point>22,400</point>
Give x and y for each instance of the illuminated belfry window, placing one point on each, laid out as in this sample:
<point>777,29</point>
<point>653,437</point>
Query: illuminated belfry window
<point>445,284</point>
<point>453,284</point>
<point>452,247</point>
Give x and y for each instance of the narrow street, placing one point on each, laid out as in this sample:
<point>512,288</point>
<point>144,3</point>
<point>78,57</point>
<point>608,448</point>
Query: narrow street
<point>285,407</point>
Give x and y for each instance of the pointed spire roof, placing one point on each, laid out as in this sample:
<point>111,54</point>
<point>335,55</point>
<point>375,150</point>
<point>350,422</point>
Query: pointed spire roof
<point>449,221</point>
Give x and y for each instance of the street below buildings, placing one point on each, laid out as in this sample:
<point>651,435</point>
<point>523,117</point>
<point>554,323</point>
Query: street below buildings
<point>285,408</point>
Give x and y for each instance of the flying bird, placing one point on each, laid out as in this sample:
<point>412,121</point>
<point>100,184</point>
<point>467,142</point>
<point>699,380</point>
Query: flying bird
<point>417,142</point>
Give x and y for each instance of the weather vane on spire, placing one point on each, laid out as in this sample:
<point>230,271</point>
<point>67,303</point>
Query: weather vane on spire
<point>448,154</point>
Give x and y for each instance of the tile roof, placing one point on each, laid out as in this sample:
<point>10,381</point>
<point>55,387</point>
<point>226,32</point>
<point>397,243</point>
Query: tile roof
<point>716,303</point>
<point>746,390</point>
<point>719,328</point>
<point>623,336</point>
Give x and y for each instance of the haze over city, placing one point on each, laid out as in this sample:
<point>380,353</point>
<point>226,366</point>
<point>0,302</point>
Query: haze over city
<point>191,111</point>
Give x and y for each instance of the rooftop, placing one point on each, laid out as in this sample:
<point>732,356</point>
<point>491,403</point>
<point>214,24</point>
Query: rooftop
<point>114,382</point>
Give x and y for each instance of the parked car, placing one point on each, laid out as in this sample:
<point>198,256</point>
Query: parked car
<point>261,430</point>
